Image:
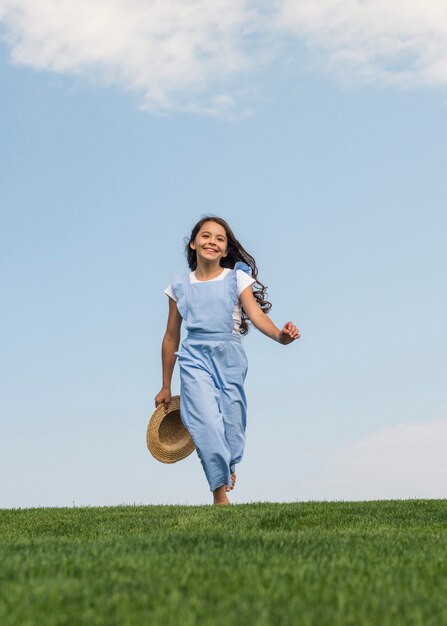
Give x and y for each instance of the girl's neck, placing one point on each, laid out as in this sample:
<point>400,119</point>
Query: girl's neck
<point>208,271</point>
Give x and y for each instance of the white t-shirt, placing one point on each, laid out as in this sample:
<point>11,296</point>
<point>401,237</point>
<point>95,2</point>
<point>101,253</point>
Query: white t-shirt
<point>243,281</point>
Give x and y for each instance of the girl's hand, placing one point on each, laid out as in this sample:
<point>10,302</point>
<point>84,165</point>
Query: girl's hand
<point>163,396</point>
<point>288,333</point>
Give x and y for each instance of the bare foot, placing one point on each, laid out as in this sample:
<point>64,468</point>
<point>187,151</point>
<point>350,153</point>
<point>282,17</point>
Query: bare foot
<point>233,482</point>
<point>220,497</point>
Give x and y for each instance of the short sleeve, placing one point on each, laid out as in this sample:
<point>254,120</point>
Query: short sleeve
<point>243,281</point>
<point>169,292</point>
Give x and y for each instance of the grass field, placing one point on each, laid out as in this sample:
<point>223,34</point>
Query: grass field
<point>327,563</point>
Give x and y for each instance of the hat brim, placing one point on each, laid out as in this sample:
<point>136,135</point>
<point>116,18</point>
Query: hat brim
<point>167,438</point>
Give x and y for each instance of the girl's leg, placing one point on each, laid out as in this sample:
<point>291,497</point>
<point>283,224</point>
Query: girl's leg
<point>200,412</point>
<point>220,496</point>
<point>234,415</point>
<point>233,481</point>
<point>234,406</point>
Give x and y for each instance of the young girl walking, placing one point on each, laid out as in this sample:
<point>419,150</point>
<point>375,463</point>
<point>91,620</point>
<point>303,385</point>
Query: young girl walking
<point>214,301</point>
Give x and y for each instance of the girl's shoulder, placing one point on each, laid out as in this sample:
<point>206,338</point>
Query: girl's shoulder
<point>180,277</point>
<point>244,267</point>
<point>177,285</point>
<point>243,276</point>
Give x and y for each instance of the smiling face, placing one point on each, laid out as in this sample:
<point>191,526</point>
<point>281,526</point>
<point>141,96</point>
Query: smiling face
<point>210,243</point>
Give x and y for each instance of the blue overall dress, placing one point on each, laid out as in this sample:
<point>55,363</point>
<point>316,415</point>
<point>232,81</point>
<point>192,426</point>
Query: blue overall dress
<point>213,367</point>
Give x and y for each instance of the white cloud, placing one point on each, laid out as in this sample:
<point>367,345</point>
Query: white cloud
<point>196,55</point>
<point>176,54</point>
<point>392,41</point>
<point>406,461</point>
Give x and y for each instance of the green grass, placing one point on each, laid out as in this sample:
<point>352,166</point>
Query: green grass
<point>340,563</point>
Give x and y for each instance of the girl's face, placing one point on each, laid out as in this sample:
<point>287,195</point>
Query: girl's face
<point>210,243</point>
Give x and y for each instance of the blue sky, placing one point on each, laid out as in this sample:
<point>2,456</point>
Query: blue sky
<point>325,152</point>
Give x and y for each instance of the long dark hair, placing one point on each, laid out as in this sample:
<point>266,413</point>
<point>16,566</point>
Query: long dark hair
<point>235,252</point>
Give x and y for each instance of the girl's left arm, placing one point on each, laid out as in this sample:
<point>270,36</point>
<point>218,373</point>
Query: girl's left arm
<point>262,322</point>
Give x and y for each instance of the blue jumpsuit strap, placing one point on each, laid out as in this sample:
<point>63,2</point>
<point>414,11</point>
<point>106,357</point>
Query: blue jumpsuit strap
<point>240,265</point>
<point>233,289</point>
<point>179,288</point>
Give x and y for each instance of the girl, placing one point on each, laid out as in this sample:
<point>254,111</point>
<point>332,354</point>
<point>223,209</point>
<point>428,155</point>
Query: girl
<point>215,300</point>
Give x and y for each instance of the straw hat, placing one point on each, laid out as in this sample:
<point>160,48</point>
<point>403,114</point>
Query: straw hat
<point>167,439</point>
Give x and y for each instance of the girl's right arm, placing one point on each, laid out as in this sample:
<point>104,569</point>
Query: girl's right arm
<point>169,347</point>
